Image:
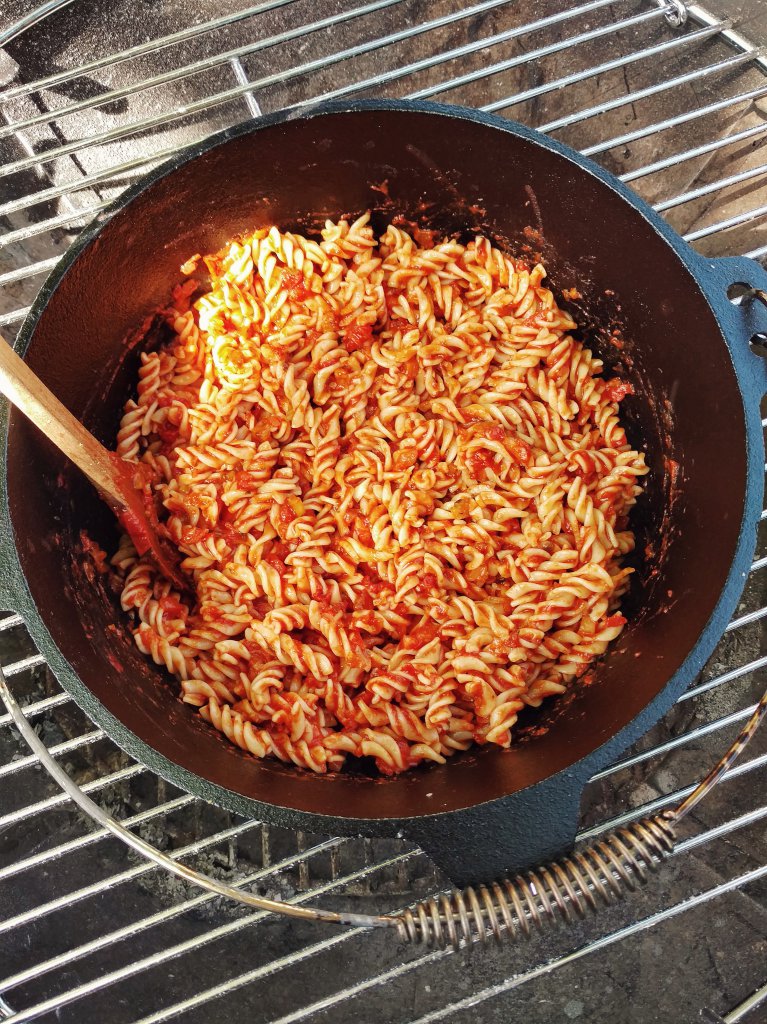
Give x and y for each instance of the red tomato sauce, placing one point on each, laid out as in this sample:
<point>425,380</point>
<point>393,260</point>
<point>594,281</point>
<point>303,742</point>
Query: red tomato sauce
<point>616,389</point>
<point>358,336</point>
<point>293,281</point>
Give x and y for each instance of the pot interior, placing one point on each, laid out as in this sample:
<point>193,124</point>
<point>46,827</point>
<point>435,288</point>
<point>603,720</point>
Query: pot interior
<point>454,175</point>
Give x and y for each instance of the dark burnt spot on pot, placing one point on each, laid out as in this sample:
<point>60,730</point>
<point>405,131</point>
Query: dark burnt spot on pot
<point>115,662</point>
<point>533,202</point>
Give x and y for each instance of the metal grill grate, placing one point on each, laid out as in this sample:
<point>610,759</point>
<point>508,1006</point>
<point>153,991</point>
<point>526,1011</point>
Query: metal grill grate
<point>89,931</point>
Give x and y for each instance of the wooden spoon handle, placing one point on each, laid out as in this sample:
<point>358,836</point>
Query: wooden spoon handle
<point>28,393</point>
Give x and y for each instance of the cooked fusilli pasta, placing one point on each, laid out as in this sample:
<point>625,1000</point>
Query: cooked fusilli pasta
<point>399,486</point>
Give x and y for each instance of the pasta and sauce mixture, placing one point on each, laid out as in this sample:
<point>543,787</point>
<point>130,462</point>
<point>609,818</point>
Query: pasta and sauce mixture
<point>400,488</point>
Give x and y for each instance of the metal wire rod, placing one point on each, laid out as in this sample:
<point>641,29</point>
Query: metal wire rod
<point>533,55</point>
<point>216,99</point>
<point>60,800</point>
<point>725,225</point>
<point>292,959</point>
<point>656,89</point>
<point>42,227</point>
<point>129,931</point>
<point>137,163</point>
<point>69,956</point>
<point>689,154</point>
<point>196,67</point>
<point>205,938</point>
<point>746,620</point>
<point>725,829</point>
<point>673,122</point>
<point>254,108</point>
<point>240,981</point>
<point>65,747</point>
<point>698,787</point>
<point>600,69</point>
<point>691,799</point>
<point>153,812</point>
<point>151,46</point>
<point>31,270</point>
<point>32,18</point>
<point>546,968</point>
<point>405,70</point>
<point>756,254</point>
<point>725,677</point>
<point>710,187</point>
<point>44,266</point>
<point>18,867</point>
<point>740,1012</point>
<point>665,801</point>
<point>14,317</point>
<point>228,56</point>
<point>147,864</point>
<point>234,983</point>
<point>140,162</point>
<point>221,97</point>
<point>86,181</point>
<point>38,707</point>
<point>735,39</point>
<point>678,741</point>
<point>24,664</point>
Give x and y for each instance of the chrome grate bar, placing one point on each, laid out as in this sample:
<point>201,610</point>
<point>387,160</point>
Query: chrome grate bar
<point>600,69</point>
<point>125,933</point>
<point>238,53</point>
<point>651,90</point>
<point>740,882</point>
<point>545,51</point>
<point>228,94</point>
<point>306,1013</point>
<point>675,111</point>
<point>53,803</point>
<point>65,902</point>
<point>677,795</point>
<point>152,46</point>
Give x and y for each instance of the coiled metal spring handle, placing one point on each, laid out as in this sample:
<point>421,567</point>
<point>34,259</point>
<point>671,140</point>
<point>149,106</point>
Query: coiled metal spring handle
<point>599,874</point>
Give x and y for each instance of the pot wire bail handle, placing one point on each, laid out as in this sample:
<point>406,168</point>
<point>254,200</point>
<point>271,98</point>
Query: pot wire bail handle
<point>600,873</point>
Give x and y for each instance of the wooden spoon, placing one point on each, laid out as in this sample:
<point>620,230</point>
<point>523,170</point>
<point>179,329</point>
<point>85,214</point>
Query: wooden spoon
<point>112,477</point>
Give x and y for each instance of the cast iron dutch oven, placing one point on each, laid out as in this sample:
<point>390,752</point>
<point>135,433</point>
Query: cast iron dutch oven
<point>653,309</point>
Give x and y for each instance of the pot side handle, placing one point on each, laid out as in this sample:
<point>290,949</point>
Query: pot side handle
<point>485,843</point>
<point>745,318</point>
